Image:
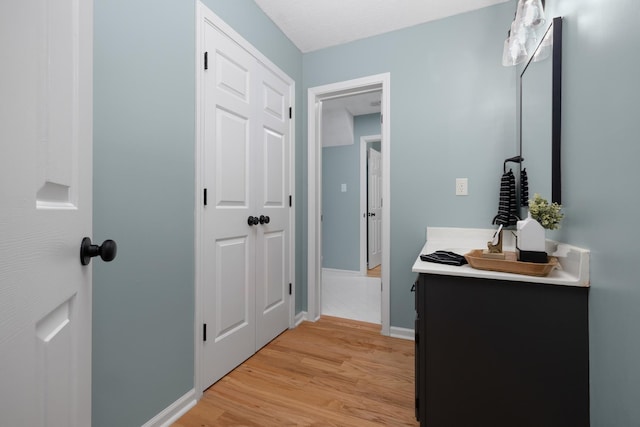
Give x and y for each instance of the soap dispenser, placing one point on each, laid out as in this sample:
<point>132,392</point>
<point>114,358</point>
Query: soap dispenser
<point>530,243</point>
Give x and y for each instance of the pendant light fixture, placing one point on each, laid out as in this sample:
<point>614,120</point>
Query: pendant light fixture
<point>521,38</point>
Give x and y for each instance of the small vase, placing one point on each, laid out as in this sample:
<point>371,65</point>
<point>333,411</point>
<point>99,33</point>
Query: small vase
<point>530,241</point>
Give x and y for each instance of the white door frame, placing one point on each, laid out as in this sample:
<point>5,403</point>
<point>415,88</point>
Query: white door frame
<point>203,13</point>
<point>364,140</point>
<point>314,174</point>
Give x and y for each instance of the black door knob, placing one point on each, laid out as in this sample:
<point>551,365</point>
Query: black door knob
<point>264,219</point>
<point>253,220</point>
<point>107,251</point>
<point>372,214</point>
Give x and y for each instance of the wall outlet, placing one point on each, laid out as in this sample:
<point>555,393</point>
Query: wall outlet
<point>462,187</point>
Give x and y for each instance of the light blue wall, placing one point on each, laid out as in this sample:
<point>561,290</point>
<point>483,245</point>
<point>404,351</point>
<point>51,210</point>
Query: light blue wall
<point>144,115</point>
<point>600,149</point>
<point>144,185</point>
<point>452,115</point>
<point>341,211</point>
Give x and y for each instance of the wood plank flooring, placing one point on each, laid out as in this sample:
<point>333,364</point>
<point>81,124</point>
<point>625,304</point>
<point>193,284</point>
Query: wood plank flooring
<point>334,372</point>
<point>375,271</point>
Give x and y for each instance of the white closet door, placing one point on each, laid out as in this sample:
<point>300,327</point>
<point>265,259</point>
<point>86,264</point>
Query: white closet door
<point>229,241</point>
<point>272,200</point>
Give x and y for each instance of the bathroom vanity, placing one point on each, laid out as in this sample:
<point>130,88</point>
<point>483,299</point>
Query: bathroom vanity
<point>500,349</point>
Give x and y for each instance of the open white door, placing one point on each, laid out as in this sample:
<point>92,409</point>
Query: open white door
<point>45,211</point>
<point>374,208</point>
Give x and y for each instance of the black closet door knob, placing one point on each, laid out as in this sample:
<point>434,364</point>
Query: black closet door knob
<point>253,220</point>
<point>264,219</point>
<point>372,214</point>
<point>107,251</point>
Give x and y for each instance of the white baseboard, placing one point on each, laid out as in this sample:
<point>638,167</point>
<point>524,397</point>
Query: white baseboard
<point>174,411</point>
<point>404,333</point>
<point>300,317</point>
<point>341,272</point>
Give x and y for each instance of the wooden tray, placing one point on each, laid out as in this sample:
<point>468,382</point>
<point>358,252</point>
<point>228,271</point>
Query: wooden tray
<point>510,264</point>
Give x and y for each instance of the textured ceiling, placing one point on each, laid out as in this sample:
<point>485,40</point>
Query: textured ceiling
<point>316,24</point>
<point>356,105</point>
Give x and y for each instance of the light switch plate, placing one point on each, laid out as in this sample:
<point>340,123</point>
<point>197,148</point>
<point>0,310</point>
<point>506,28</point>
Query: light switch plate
<point>462,187</point>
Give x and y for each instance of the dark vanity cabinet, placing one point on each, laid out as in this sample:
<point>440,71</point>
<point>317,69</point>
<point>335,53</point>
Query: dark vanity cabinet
<point>492,353</point>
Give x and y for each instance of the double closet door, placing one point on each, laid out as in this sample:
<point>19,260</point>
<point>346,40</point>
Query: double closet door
<point>246,220</point>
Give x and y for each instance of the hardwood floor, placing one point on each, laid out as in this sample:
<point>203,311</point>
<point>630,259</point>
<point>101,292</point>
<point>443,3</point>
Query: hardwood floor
<point>334,372</point>
<point>374,272</point>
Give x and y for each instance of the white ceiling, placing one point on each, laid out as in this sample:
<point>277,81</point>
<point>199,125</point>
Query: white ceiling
<point>356,105</point>
<point>316,24</point>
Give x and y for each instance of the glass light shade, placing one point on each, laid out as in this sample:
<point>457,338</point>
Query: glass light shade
<point>533,13</point>
<point>545,49</point>
<point>520,13</point>
<point>514,51</point>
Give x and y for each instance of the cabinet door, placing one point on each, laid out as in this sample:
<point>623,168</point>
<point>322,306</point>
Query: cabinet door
<point>505,353</point>
<point>420,351</point>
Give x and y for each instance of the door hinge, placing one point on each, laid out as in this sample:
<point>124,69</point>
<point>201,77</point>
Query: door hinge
<point>290,200</point>
<point>204,332</point>
<point>205,197</point>
<point>206,60</point>
<point>290,113</point>
<point>290,289</point>
<point>381,118</point>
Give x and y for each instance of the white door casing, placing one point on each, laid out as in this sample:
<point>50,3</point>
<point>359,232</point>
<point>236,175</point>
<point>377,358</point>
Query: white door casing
<point>374,208</point>
<point>45,185</point>
<point>315,96</point>
<point>245,163</point>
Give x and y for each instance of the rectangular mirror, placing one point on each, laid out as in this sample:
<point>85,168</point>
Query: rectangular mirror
<point>540,115</point>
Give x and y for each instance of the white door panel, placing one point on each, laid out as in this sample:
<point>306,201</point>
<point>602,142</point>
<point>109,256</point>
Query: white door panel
<point>231,152</point>
<point>272,193</point>
<point>45,187</point>
<point>229,268</point>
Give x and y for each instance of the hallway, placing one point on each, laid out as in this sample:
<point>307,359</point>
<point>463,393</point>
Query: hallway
<point>351,296</point>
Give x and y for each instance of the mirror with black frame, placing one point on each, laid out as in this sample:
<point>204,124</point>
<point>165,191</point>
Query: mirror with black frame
<point>540,114</point>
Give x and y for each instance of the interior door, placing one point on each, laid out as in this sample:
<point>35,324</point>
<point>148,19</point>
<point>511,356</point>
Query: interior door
<point>272,200</point>
<point>374,202</point>
<point>45,211</point>
<point>229,239</point>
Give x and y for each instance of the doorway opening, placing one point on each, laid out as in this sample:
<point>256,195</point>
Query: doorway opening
<point>316,97</point>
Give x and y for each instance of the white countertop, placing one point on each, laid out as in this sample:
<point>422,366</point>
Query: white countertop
<point>573,269</point>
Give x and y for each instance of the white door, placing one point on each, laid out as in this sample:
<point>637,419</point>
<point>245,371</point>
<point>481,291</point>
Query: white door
<point>229,241</point>
<point>272,201</point>
<point>245,297</point>
<point>374,207</point>
<point>45,211</point>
